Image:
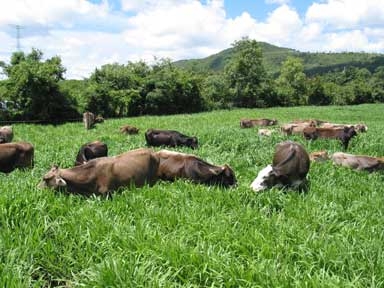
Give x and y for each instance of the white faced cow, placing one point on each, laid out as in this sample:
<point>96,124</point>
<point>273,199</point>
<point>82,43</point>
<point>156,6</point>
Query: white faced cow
<point>289,168</point>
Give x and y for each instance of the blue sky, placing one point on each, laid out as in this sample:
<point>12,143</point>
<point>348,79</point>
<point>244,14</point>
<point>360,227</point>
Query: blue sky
<point>87,34</point>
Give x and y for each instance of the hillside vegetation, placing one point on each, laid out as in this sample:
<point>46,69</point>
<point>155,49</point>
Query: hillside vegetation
<point>187,235</point>
<point>274,56</point>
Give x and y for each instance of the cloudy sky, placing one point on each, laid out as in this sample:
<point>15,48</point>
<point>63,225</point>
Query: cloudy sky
<point>89,33</point>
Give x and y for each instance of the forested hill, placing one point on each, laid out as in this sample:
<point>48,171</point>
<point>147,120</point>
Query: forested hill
<point>273,56</point>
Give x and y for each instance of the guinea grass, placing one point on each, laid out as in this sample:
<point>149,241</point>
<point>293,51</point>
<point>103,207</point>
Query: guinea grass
<point>185,235</point>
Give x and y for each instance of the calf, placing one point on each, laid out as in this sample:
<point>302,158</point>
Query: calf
<point>289,168</point>
<point>103,175</point>
<point>6,134</point>
<point>16,155</point>
<point>174,165</point>
<point>248,123</point>
<point>128,129</point>
<point>358,162</point>
<point>90,151</point>
<point>169,138</point>
<point>88,120</point>
<point>319,156</point>
<point>344,134</point>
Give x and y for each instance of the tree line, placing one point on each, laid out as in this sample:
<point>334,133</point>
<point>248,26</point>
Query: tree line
<point>39,91</point>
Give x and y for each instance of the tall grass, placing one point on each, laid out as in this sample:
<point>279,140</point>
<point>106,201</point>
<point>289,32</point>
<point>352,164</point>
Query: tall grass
<point>186,235</point>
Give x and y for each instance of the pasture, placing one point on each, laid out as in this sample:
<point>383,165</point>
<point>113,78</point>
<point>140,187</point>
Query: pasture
<point>187,235</point>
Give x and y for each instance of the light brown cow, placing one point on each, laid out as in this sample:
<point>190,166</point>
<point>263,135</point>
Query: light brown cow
<point>128,129</point>
<point>358,127</point>
<point>16,155</point>
<point>88,120</point>
<point>319,156</point>
<point>6,134</point>
<point>289,168</point>
<point>265,132</point>
<point>248,123</point>
<point>358,162</point>
<point>174,165</point>
<point>296,128</point>
<point>103,175</point>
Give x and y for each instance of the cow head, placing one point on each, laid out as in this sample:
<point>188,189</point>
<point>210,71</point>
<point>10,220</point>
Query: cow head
<point>52,179</point>
<point>264,179</point>
<point>223,175</point>
<point>192,142</point>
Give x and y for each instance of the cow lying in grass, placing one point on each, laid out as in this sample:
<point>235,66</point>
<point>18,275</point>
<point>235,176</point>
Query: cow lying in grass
<point>289,168</point>
<point>358,162</point>
<point>16,155</point>
<point>101,176</point>
<point>90,151</point>
<point>174,165</point>
<point>6,134</point>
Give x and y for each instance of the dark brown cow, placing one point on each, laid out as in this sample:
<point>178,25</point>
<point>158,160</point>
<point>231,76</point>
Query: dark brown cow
<point>174,165</point>
<point>103,175</point>
<point>16,155</point>
<point>128,129</point>
<point>90,151</point>
<point>6,134</point>
<point>88,119</point>
<point>343,134</point>
<point>169,138</point>
<point>358,162</point>
<point>289,168</point>
<point>249,123</point>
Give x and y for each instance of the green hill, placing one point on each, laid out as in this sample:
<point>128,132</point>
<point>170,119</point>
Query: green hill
<point>273,56</point>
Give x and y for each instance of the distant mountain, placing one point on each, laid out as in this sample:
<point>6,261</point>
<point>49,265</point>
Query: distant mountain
<point>273,56</point>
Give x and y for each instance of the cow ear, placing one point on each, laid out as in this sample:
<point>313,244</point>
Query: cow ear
<point>61,182</point>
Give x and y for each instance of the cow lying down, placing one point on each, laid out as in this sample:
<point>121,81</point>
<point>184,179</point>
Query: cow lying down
<point>103,175</point>
<point>90,151</point>
<point>174,165</point>
<point>358,162</point>
<point>289,168</point>
<point>16,155</point>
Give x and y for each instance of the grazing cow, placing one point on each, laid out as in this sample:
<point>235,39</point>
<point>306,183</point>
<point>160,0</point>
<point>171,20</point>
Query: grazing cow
<point>319,156</point>
<point>169,138</point>
<point>358,127</point>
<point>343,134</point>
<point>264,132</point>
<point>249,123</point>
<point>358,162</point>
<point>101,176</point>
<point>174,165</point>
<point>16,155</point>
<point>90,151</point>
<point>6,134</point>
<point>88,119</point>
<point>99,119</point>
<point>128,129</point>
<point>289,168</point>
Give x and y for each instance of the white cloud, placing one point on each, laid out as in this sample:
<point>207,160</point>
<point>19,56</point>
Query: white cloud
<point>87,35</point>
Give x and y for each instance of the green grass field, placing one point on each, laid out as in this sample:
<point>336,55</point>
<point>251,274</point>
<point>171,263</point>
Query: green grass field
<point>186,235</point>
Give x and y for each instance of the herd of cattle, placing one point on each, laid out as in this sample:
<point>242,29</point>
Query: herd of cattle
<point>95,172</point>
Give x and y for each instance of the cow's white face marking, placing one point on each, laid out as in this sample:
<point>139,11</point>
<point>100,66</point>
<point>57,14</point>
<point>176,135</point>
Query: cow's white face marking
<point>260,183</point>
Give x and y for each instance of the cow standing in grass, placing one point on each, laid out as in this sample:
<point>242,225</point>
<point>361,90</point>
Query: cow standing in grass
<point>6,134</point>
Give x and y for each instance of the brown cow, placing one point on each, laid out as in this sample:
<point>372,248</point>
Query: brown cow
<point>358,127</point>
<point>358,162</point>
<point>128,129</point>
<point>6,134</point>
<point>296,128</point>
<point>249,123</point>
<point>171,138</point>
<point>343,134</point>
<point>174,165</point>
<point>16,155</point>
<point>103,175</point>
<point>99,119</point>
<point>319,156</point>
<point>289,168</point>
<point>88,119</point>
<point>90,151</point>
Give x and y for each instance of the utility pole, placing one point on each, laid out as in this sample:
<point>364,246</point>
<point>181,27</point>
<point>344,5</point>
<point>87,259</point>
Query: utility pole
<point>18,36</point>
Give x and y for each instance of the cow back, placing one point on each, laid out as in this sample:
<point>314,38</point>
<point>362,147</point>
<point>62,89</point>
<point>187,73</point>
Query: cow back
<point>16,155</point>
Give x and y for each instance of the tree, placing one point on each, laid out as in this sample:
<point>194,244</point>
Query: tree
<point>291,83</point>
<point>246,75</point>
<point>33,85</point>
